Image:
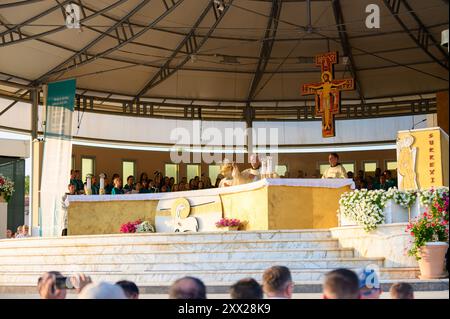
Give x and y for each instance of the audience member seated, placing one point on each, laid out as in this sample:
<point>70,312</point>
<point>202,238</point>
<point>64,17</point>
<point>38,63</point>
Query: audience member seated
<point>192,185</point>
<point>145,189</point>
<point>277,283</point>
<point>390,181</point>
<point>137,188</point>
<point>129,288</point>
<point>175,188</point>
<point>102,290</point>
<point>166,185</point>
<point>369,284</point>
<point>144,177</point>
<point>401,290</point>
<point>129,187</point>
<point>187,288</point>
<point>108,186</point>
<point>10,234</point>
<point>350,175</point>
<point>51,288</point>
<point>94,186</point>
<point>117,186</point>
<point>22,231</point>
<point>200,185</point>
<point>370,182</point>
<point>247,288</point>
<point>341,284</point>
<point>360,182</point>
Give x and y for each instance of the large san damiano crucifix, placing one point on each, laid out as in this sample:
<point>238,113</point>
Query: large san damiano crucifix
<point>327,92</point>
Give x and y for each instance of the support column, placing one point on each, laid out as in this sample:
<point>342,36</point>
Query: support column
<point>36,161</point>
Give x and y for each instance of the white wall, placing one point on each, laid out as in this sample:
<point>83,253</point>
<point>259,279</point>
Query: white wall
<point>147,130</point>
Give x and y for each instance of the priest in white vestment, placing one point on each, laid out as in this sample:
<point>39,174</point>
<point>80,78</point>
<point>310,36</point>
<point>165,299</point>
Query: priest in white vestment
<point>336,170</point>
<point>252,174</point>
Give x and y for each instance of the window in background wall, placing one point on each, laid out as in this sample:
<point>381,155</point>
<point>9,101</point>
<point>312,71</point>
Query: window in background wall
<point>323,168</point>
<point>281,170</point>
<point>192,171</point>
<point>213,171</point>
<point>392,166</point>
<point>349,167</point>
<point>128,168</point>
<point>369,168</point>
<point>87,167</point>
<point>171,170</point>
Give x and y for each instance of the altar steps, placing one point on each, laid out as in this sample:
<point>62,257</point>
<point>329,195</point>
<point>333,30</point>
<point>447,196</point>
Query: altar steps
<point>154,261</point>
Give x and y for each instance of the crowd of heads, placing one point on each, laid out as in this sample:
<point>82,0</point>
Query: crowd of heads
<point>158,183</point>
<point>377,180</point>
<point>277,283</point>
<point>23,231</point>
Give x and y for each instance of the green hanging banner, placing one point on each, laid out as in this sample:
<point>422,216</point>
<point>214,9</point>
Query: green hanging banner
<point>60,105</point>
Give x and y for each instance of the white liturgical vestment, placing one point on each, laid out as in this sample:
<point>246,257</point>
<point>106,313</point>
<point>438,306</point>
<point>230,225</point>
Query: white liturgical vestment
<point>337,171</point>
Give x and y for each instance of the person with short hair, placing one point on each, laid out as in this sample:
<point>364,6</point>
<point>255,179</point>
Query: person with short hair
<point>336,170</point>
<point>129,288</point>
<point>117,190</point>
<point>401,290</point>
<point>102,290</point>
<point>129,187</point>
<point>9,234</point>
<point>19,232</point>
<point>247,288</point>
<point>390,181</point>
<point>341,284</point>
<point>277,283</point>
<point>187,288</point>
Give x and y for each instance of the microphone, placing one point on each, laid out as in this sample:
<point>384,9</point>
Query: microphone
<point>414,125</point>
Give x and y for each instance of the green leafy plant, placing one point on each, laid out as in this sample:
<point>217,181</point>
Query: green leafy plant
<point>432,226</point>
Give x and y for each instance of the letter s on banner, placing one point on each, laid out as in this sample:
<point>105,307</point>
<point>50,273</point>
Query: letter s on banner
<point>373,19</point>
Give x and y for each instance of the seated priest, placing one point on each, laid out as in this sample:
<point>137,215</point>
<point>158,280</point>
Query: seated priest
<point>336,170</point>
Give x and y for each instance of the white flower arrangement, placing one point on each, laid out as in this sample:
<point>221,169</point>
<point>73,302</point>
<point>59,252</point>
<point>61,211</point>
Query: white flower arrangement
<point>6,187</point>
<point>403,198</point>
<point>145,227</point>
<point>365,207</point>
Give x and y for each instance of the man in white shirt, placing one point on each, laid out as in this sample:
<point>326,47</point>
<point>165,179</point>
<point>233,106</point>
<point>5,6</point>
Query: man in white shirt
<point>336,170</point>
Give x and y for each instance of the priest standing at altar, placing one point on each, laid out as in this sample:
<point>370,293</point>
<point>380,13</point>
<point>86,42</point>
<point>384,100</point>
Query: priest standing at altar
<point>336,170</point>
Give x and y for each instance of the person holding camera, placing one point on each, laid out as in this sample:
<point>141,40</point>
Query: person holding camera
<point>53,285</point>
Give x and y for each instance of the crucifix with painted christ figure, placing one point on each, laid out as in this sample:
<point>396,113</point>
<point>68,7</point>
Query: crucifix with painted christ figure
<point>327,92</point>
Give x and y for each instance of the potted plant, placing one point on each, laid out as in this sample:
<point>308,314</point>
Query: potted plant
<point>226,224</point>
<point>430,238</point>
<point>6,188</point>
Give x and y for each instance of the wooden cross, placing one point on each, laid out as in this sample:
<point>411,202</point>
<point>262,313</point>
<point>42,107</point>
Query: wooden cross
<point>327,92</point>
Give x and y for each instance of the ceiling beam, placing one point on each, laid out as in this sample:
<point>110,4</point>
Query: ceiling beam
<point>266,48</point>
<point>22,37</point>
<point>423,38</point>
<point>346,47</point>
<point>192,43</point>
<point>82,54</point>
<point>11,31</point>
<point>123,37</point>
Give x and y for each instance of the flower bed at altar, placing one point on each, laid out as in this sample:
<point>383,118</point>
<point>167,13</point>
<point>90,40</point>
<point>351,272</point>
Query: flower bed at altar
<point>370,208</point>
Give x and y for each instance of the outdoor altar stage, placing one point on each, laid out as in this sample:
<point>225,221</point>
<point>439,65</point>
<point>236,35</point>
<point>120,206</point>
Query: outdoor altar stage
<point>269,204</point>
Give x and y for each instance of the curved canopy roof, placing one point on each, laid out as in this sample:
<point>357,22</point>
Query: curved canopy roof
<point>224,50</point>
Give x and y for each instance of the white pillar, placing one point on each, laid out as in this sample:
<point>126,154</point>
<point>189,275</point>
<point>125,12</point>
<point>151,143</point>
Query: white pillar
<point>3,218</point>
